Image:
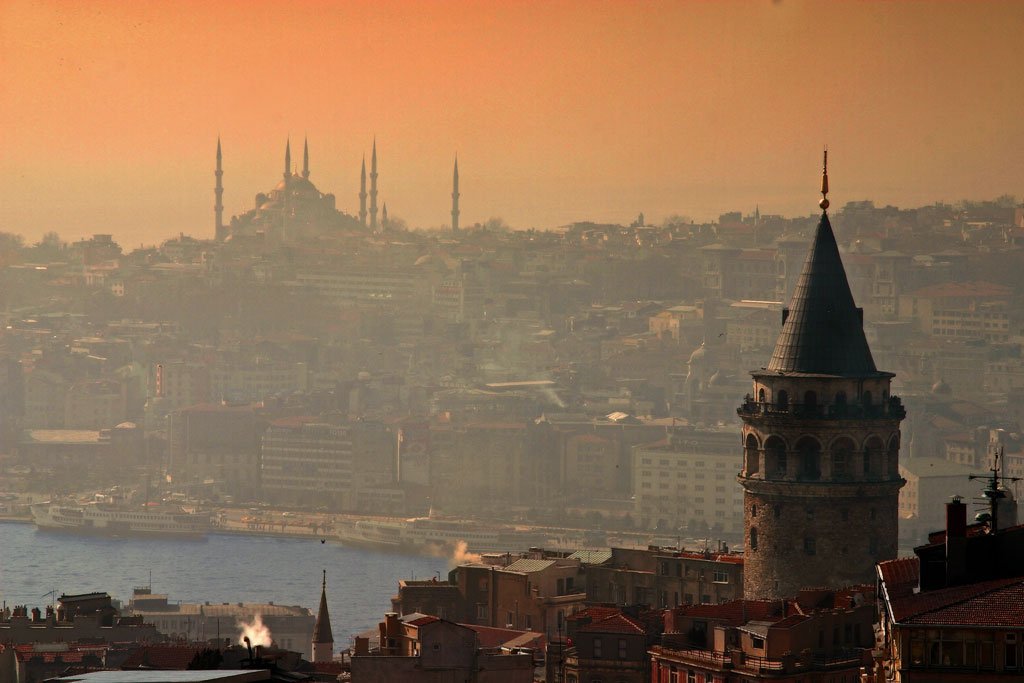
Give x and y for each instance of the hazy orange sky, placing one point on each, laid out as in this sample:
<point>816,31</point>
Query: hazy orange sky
<point>559,111</point>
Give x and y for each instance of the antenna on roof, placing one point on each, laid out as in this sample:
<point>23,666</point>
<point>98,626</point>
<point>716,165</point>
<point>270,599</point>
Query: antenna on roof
<point>993,493</point>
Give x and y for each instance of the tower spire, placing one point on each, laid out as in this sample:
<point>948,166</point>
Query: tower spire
<point>824,182</point>
<point>455,196</point>
<point>288,158</point>
<point>305,158</point>
<point>373,186</point>
<point>823,329</point>
<point>362,193</point>
<point>218,192</point>
<point>323,637</point>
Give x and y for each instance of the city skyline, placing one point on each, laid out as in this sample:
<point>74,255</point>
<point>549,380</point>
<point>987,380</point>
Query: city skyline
<point>695,109</point>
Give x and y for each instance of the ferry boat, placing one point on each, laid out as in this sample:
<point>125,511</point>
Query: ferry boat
<point>119,520</point>
<point>429,535</point>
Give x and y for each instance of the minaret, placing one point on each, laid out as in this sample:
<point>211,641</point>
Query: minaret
<point>384,216</point>
<point>323,638</point>
<point>373,187</point>
<point>362,193</point>
<point>288,159</point>
<point>218,205</point>
<point>455,196</point>
<point>305,158</point>
<point>821,441</point>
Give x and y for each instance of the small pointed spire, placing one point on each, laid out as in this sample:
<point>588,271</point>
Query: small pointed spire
<point>824,182</point>
<point>288,157</point>
<point>218,151</point>
<point>305,158</point>
<point>322,632</point>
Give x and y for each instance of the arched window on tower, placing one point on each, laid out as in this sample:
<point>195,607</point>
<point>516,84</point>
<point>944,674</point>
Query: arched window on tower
<point>760,395</point>
<point>839,403</point>
<point>892,457</point>
<point>809,451</point>
<point>782,399</point>
<point>810,402</point>
<point>774,458</point>
<point>866,399</point>
<point>751,456</point>
<point>873,451</point>
<point>753,538</point>
<point>842,454</point>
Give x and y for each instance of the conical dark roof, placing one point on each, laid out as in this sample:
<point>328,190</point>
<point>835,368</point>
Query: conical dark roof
<point>322,630</point>
<point>823,330</point>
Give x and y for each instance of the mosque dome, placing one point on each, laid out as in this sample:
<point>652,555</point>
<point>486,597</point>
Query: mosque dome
<point>940,388</point>
<point>297,185</point>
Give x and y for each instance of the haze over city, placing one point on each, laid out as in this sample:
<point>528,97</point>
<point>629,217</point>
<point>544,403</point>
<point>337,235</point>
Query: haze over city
<point>511,342</point>
<point>559,111</point>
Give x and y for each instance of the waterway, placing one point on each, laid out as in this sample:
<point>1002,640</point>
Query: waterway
<point>222,568</point>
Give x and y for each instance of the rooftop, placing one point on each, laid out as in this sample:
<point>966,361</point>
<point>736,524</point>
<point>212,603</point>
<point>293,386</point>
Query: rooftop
<point>149,676</point>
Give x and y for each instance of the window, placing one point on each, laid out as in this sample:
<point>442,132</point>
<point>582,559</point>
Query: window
<point>721,577</point>
<point>481,612</point>
<point>622,648</point>
<point>753,538</point>
<point>597,648</point>
<point>758,643</point>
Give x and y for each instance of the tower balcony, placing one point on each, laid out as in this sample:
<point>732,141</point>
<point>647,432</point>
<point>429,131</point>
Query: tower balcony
<point>890,409</point>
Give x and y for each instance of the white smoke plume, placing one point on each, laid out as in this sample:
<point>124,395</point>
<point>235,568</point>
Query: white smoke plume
<point>461,555</point>
<point>256,630</point>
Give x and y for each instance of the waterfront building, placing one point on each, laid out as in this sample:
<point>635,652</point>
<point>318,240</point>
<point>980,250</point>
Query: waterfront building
<point>821,442</point>
<point>685,483</point>
<point>219,443</point>
<point>291,626</point>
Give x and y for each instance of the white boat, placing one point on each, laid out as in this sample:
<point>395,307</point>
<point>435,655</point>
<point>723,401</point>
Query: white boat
<point>429,535</point>
<point>119,520</point>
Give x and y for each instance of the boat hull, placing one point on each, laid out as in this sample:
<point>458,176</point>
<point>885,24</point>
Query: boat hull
<point>89,520</point>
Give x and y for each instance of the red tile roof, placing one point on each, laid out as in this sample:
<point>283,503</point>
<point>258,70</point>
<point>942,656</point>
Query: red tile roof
<point>594,613</point>
<point>497,637</point>
<point>989,603</point>
<point>737,612</point>
<point>617,623</point>
<point>899,576</point>
<point>423,621</point>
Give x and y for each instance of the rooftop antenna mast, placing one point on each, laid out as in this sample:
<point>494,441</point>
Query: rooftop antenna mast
<point>993,493</point>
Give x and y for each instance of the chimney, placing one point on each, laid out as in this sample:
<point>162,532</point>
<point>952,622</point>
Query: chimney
<point>956,541</point>
<point>37,616</point>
